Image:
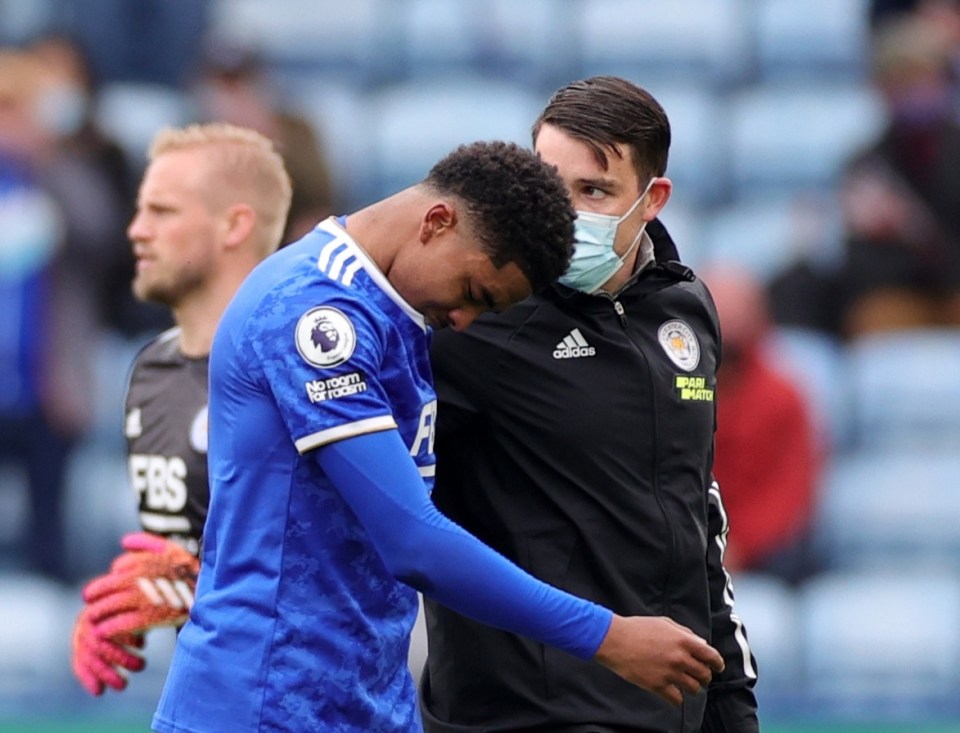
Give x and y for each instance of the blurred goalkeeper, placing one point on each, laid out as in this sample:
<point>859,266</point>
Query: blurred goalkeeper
<point>212,204</point>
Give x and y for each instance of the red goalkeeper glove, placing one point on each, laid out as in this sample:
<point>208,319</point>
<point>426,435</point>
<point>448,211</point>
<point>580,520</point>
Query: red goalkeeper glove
<point>96,660</point>
<point>149,585</point>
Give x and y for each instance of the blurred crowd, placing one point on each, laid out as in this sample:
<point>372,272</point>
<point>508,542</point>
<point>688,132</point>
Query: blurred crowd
<point>67,193</point>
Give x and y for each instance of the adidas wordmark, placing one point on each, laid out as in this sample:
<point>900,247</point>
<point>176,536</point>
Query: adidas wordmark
<point>573,346</point>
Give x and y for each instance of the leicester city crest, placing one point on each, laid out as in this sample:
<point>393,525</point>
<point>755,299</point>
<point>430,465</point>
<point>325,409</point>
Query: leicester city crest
<point>325,337</point>
<point>680,343</point>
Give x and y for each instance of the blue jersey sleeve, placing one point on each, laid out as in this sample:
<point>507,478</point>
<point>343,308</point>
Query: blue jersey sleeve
<point>323,366</point>
<point>424,549</point>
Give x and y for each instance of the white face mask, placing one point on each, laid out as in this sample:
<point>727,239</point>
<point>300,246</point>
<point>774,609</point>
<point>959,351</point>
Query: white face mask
<point>594,259</point>
<point>62,109</point>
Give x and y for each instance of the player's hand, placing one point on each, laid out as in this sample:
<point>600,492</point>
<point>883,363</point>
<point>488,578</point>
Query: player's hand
<point>96,661</point>
<point>149,585</point>
<point>659,655</point>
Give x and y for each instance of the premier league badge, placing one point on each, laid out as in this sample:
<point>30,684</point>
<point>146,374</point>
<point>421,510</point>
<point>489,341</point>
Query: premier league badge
<point>325,337</point>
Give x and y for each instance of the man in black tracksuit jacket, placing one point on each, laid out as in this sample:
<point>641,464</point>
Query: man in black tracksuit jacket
<point>575,436</point>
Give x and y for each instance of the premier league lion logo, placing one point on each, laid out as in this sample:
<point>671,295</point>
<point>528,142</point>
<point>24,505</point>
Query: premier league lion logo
<point>325,337</point>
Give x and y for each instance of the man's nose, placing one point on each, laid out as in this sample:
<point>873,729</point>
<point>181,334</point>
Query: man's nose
<point>135,228</point>
<point>461,318</point>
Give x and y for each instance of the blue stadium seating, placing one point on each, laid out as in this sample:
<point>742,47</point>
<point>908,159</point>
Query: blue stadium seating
<point>20,21</point>
<point>416,123</point>
<point>793,134</point>
<point>815,362</point>
<point>679,40</point>
<point>36,617</point>
<point>768,608</point>
<point>905,390</point>
<point>339,113</point>
<point>883,644</point>
<point>887,508</point>
<point>312,38</point>
<point>766,232</point>
<point>813,39</point>
<point>132,113</point>
<point>697,165</point>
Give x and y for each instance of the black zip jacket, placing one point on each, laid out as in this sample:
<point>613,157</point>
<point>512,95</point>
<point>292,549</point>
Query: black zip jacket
<point>575,436</point>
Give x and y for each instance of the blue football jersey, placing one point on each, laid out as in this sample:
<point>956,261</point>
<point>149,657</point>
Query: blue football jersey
<point>297,624</point>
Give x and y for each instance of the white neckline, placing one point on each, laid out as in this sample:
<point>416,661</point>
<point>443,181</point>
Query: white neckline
<point>332,226</point>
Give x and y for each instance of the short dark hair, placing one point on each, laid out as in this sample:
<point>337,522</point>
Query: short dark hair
<point>517,204</point>
<point>606,111</point>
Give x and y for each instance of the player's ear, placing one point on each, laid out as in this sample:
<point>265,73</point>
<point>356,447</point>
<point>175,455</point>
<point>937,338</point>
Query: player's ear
<point>658,196</point>
<point>239,222</point>
<point>439,218</point>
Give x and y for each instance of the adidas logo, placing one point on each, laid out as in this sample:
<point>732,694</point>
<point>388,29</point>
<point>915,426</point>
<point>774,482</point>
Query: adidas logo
<point>573,346</point>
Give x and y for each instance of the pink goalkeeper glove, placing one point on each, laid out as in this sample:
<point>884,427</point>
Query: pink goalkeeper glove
<point>149,585</point>
<point>95,660</point>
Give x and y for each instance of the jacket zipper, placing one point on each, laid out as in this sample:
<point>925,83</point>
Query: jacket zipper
<point>622,315</point>
<point>620,312</point>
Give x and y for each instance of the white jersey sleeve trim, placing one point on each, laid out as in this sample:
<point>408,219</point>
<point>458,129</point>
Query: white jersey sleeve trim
<point>342,265</point>
<point>342,432</point>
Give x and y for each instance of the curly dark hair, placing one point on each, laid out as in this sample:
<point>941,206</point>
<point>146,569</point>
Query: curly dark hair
<point>606,111</point>
<point>516,203</point>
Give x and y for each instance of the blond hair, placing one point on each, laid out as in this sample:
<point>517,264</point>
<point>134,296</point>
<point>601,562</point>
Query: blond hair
<point>248,164</point>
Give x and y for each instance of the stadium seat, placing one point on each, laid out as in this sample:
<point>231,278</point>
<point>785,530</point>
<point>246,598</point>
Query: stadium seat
<point>878,642</point>
<point>765,233</point>
<point>438,36</point>
<point>678,40</point>
<point>697,165</point>
<point>822,39</point>
<point>494,38</point>
<point>21,21</point>
<point>132,113</point>
<point>36,616</point>
<point>416,123</point>
<point>684,220</point>
<point>768,608</point>
<point>310,38</point>
<point>886,509</point>
<point>339,113</point>
<point>99,505</point>
<point>815,361</point>
<point>905,390</point>
<point>785,136</point>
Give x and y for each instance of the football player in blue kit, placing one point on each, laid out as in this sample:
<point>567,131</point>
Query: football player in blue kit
<point>320,528</point>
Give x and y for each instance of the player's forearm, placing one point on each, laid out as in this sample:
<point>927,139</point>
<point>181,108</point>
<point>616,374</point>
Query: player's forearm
<point>423,548</point>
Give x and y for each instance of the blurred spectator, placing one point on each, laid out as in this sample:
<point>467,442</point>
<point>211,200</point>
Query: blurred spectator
<point>95,182</point>
<point>47,332</point>
<point>943,12</point>
<point>234,86</point>
<point>901,196</point>
<point>145,41</point>
<point>767,460</point>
